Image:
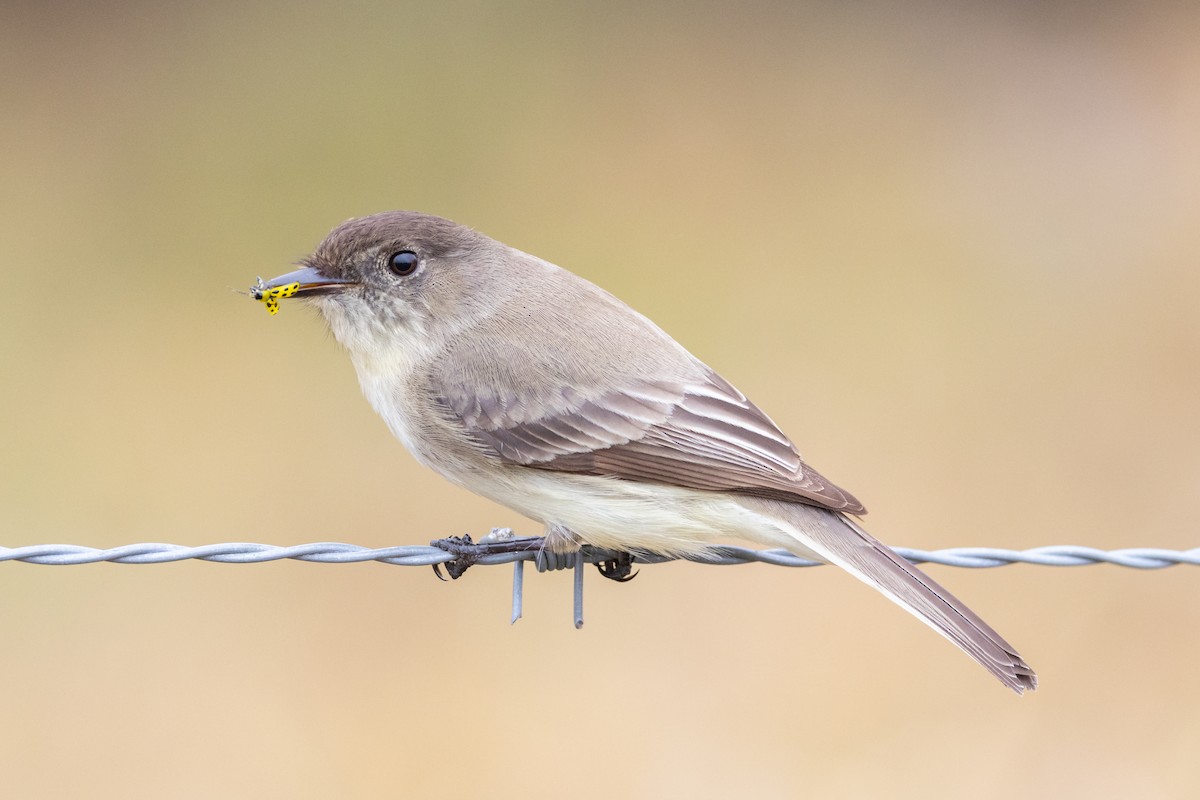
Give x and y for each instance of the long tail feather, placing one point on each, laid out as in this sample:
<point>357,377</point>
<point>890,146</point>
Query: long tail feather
<point>843,542</point>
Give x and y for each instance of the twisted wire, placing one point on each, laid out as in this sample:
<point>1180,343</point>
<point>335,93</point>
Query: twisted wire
<point>429,555</point>
<point>425,555</point>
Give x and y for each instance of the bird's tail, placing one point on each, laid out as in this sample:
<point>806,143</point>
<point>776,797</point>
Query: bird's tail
<point>841,541</point>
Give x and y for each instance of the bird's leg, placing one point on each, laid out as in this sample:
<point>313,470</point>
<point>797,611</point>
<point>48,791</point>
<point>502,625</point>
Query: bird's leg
<point>467,552</point>
<point>556,540</point>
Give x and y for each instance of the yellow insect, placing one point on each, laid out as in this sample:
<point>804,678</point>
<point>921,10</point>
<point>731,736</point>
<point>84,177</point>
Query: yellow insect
<point>271,297</point>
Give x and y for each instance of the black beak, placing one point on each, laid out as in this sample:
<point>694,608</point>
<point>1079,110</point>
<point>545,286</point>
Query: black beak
<point>305,282</point>
<point>311,281</point>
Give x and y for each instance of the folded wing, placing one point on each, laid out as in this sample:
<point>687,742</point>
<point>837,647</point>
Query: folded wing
<point>701,435</point>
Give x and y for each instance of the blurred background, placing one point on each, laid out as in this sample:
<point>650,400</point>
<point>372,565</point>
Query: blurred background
<point>952,249</point>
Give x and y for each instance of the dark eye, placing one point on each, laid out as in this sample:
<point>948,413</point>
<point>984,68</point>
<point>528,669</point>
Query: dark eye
<point>403,263</point>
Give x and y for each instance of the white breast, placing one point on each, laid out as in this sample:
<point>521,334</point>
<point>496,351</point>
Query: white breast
<point>385,361</point>
<point>386,377</point>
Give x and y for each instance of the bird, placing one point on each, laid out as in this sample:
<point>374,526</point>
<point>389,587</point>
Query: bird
<point>531,386</point>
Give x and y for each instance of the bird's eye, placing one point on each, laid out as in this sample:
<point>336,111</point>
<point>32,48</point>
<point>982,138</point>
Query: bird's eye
<point>403,263</point>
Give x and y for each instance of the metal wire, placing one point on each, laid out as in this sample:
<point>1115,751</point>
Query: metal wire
<point>424,555</point>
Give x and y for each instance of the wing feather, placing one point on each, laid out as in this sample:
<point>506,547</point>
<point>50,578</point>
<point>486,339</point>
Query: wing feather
<point>701,435</point>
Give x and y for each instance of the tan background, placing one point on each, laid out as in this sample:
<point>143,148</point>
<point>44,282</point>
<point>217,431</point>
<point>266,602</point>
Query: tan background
<point>953,249</point>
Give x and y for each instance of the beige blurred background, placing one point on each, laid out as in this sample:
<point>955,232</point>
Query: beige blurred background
<point>953,249</point>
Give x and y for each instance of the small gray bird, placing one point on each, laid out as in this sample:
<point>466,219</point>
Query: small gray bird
<point>532,387</point>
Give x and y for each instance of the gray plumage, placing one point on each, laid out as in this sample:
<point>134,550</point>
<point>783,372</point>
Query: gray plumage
<point>531,386</point>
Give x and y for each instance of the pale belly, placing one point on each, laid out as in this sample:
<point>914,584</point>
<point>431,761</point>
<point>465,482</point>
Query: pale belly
<point>631,516</point>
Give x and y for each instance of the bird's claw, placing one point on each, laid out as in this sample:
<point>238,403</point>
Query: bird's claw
<point>464,548</point>
<point>468,551</point>
<point>619,569</point>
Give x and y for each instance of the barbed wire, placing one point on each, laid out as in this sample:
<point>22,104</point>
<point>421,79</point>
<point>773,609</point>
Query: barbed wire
<point>432,556</point>
<point>427,555</point>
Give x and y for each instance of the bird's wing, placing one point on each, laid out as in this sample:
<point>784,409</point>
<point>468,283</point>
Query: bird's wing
<point>701,434</point>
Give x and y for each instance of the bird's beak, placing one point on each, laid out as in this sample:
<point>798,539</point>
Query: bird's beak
<point>305,282</point>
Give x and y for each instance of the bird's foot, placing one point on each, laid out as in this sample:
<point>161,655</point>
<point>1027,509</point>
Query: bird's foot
<point>618,569</point>
<point>468,552</point>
